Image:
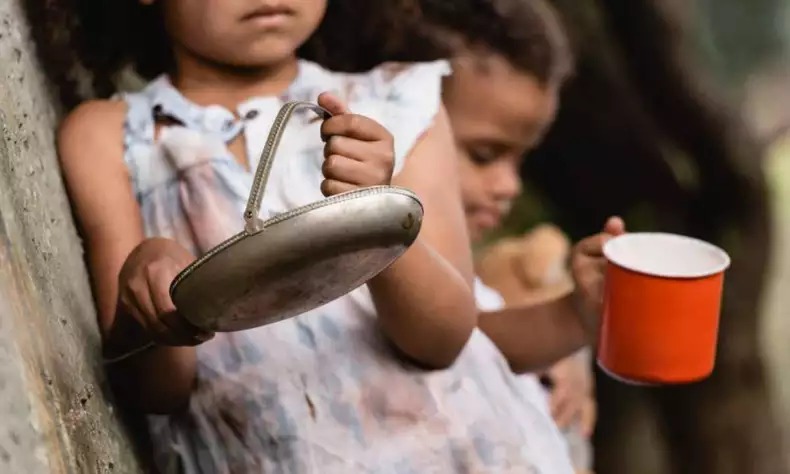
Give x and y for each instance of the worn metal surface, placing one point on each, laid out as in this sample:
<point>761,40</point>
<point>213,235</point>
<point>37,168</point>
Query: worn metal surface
<point>55,415</point>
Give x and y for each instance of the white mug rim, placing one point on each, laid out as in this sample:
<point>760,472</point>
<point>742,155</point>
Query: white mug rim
<point>610,251</point>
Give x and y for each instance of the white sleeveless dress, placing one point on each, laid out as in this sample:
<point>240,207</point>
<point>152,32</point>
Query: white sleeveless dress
<point>323,392</point>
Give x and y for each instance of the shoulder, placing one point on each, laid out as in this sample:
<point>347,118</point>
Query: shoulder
<point>406,98</point>
<point>399,83</point>
<point>399,74</point>
<point>93,126</point>
<point>381,79</point>
<point>92,121</point>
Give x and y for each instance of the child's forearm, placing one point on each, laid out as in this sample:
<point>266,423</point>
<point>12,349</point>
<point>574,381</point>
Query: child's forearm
<point>425,306</point>
<point>536,336</point>
<point>158,379</point>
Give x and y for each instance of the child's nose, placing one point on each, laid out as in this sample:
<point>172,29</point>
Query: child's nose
<point>508,184</point>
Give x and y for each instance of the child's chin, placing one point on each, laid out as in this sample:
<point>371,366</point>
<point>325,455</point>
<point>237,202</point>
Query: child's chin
<point>476,234</point>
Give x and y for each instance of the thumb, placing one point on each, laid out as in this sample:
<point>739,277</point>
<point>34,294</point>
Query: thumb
<point>333,103</point>
<point>587,421</point>
<point>614,226</point>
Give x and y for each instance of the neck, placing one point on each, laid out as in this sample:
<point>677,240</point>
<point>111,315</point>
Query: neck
<point>206,83</point>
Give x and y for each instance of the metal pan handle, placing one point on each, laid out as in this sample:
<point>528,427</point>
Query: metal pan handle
<point>251,219</point>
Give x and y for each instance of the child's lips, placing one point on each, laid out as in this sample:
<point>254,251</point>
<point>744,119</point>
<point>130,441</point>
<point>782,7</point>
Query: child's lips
<point>488,218</point>
<point>269,15</point>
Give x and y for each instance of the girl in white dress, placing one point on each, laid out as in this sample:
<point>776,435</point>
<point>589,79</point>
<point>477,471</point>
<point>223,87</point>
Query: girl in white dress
<point>392,378</point>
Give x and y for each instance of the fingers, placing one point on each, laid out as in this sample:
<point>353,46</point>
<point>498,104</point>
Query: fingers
<point>353,126</point>
<point>144,292</point>
<point>331,187</point>
<point>352,162</point>
<point>588,266</point>
<point>346,124</point>
<point>587,418</point>
<point>178,330</point>
<point>562,407</point>
<point>593,246</point>
<point>357,149</point>
<point>350,171</point>
<point>340,168</point>
<point>159,278</point>
<point>614,226</point>
<point>136,299</point>
<point>129,304</point>
<point>569,403</point>
<point>333,104</point>
<point>183,331</point>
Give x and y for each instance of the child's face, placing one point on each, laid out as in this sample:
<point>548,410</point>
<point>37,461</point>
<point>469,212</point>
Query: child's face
<point>497,114</point>
<point>241,33</point>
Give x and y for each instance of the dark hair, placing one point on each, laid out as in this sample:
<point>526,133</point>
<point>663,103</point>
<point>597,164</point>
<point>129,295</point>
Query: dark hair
<point>92,41</point>
<point>528,33</point>
<point>84,44</point>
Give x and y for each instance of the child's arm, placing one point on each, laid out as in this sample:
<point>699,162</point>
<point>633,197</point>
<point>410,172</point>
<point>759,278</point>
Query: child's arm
<point>424,300</point>
<point>90,144</point>
<point>534,337</point>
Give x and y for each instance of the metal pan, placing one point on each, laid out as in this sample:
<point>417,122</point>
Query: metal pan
<point>296,261</point>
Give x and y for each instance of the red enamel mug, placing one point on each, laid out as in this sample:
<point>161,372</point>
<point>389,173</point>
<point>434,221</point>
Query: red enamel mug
<point>662,301</point>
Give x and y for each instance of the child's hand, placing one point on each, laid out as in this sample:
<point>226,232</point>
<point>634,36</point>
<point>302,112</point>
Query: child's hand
<point>572,399</point>
<point>144,292</point>
<point>588,266</point>
<point>359,152</point>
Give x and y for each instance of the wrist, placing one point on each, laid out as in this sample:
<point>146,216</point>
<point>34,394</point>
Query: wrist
<point>588,320</point>
<point>126,337</point>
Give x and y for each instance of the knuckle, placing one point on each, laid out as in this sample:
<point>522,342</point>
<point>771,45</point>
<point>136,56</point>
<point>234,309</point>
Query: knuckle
<point>333,144</point>
<point>326,166</point>
<point>326,128</point>
<point>159,273</point>
<point>386,156</point>
<point>326,188</point>
<point>331,166</point>
<point>577,265</point>
<point>136,287</point>
<point>126,302</point>
<point>384,175</point>
<point>151,270</point>
<point>389,139</point>
<point>353,122</point>
<point>332,162</point>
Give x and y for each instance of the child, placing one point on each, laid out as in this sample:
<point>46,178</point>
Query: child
<point>519,74</point>
<point>159,176</point>
<point>527,270</point>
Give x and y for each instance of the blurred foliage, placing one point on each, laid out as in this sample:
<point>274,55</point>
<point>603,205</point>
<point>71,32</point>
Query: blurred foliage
<point>733,39</point>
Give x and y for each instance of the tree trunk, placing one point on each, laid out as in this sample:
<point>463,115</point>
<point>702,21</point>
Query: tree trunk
<point>640,134</point>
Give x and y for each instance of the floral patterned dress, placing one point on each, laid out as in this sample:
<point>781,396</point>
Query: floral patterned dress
<point>322,392</point>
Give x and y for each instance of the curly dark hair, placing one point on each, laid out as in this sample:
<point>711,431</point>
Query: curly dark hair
<point>84,44</point>
<point>89,42</point>
<point>528,33</point>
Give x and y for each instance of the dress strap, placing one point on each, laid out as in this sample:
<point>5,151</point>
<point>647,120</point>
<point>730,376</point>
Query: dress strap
<point>138,134</point>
